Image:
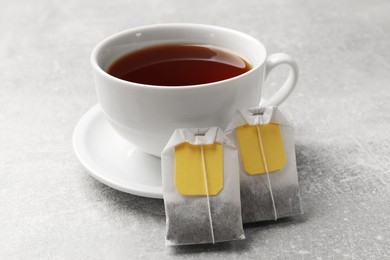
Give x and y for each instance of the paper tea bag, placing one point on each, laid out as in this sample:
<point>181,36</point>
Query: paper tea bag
<point>268,172</point>
<point>200,178</point>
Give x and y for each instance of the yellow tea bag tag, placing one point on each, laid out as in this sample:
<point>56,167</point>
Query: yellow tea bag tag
<point>251,152</point>
<point>198,169</point>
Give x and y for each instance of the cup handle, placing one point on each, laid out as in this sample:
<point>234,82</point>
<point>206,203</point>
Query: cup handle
<point>290,83</point>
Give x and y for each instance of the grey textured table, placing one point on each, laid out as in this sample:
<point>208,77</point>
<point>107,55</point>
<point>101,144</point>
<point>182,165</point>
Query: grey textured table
<point>52,209</point>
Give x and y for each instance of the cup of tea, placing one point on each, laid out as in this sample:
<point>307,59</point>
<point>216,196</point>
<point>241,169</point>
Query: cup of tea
<point>151,80</point>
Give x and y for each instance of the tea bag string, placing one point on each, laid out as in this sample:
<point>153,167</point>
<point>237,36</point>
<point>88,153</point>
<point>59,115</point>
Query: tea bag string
<point>207,189</point>
<point>265,165</point>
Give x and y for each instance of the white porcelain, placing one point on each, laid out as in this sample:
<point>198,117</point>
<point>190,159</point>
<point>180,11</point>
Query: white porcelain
<point>147,115</point>
<point>112,160</point>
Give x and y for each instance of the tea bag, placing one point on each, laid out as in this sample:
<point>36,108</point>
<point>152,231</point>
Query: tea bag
<point>268,172</point>
<point>200,178</point>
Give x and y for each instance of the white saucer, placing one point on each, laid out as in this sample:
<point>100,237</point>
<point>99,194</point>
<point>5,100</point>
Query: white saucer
<point>112,160</point>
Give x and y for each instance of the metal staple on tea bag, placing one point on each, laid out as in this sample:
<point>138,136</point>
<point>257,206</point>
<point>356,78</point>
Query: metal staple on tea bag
<point>258,115</point>
<point>206,184</point>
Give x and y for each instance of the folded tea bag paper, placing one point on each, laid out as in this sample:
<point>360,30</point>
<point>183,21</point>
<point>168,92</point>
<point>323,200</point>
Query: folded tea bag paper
<point>268,174</point>
<point>200,177</point>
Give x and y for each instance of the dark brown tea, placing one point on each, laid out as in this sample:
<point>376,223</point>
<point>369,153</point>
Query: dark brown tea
<point>179,65</point>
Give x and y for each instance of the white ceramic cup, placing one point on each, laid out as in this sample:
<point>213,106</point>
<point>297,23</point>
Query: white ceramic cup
<point>147,115</point>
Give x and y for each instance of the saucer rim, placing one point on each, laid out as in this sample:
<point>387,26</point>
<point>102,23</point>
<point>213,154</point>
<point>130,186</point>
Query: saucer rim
<point>90,167</point>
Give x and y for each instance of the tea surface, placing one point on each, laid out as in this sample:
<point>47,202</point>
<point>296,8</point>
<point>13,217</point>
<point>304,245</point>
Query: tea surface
<point>179,65</point>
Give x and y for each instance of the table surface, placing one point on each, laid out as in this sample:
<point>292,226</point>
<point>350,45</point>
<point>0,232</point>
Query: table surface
<point>50,206</point>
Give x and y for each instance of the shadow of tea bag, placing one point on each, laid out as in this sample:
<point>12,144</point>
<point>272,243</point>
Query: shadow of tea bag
<point>268,171</point>
<point>200,178</point>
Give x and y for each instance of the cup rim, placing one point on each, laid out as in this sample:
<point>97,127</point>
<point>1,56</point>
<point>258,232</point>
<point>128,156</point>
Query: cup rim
<point>96,50</point>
